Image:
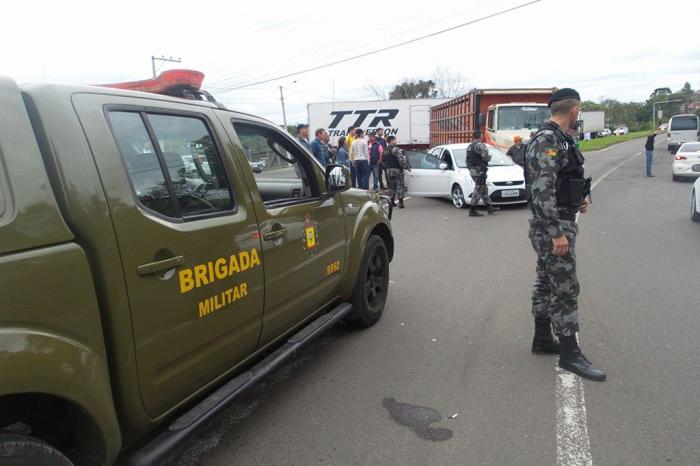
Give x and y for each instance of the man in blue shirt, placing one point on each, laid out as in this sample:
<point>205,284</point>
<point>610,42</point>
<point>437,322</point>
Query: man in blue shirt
<point>318,148</point>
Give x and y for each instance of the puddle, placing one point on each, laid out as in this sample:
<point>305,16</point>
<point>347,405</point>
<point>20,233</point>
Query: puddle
<point>418,419</point>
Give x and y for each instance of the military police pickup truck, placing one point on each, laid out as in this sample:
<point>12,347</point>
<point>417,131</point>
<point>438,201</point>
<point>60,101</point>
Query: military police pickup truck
<point>148,276</point>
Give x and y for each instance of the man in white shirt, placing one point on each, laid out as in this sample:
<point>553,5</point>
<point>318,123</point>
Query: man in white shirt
<point>359,154</point>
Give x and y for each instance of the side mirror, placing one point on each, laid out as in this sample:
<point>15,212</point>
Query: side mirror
<point>442,166</point>
<point>338,178</point>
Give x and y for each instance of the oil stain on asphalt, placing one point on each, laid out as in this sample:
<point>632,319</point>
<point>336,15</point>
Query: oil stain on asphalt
<point>418,419</point>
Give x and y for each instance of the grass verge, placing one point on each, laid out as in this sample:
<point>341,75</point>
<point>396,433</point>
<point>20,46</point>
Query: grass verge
<point>602,143</point>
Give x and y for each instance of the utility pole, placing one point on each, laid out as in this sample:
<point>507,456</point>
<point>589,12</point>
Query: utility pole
<point>284,113</point>
<point>653,111</point>
<point>162,58</point>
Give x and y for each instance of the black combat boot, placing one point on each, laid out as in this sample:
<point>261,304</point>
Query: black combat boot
<point>475,213</point>
<point>393,201</point>
<point>544,342</point>
<point>573,360</point>
<point>493,210</point>
<point>401,206</point>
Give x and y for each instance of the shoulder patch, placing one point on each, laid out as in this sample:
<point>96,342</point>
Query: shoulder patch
<point>550,152</point>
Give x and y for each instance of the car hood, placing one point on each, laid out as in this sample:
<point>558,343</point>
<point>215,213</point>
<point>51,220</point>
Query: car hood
<point>501,173</point>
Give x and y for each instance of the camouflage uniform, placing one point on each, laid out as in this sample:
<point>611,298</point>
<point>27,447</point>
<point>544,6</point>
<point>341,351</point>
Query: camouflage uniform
<point>478,174</point>
<point>556,288</point>
<point>395,163</point>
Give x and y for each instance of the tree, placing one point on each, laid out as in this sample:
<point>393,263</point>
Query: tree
<point>414,90</point>
<point>449,84</point>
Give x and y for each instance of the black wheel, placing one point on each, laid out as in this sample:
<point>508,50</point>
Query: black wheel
<point>22,450</point>
<point>458,197</point>
<point>694,214</point>
<point>675,178</point>
<point>372,285</point>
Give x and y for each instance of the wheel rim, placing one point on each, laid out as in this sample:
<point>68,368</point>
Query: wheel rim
<point>376,282</point>
<point>457,197</point>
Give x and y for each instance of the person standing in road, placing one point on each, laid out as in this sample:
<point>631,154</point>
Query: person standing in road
<point>318,147</point>
<point>649,146</point>
<point>395,162</point>
<point>348,141</point>
<point>375,162</point>
<point>303,135</point>
<point>380,139</point>
<point>557,192</point>
<point>478,158</point>
<point>359,154</point>
<point>517,151</point>
<point>343,155</point>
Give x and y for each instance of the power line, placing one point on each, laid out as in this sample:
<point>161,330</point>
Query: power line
<point>383,49</point>
<point>226,82</point>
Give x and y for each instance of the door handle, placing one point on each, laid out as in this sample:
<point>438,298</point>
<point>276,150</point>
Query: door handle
<point>160,266</point>
<point>272,235</point>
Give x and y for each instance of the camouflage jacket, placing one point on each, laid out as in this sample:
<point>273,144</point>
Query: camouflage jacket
<point>545,156</point>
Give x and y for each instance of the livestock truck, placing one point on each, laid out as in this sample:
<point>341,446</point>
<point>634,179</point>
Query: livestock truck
<point>500,114</point>
<point>407,119</point>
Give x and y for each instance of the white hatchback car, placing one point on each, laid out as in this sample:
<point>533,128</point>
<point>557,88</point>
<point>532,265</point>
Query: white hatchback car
<point>695,200</point>
<point>687,157</point>
<point>442,172</point>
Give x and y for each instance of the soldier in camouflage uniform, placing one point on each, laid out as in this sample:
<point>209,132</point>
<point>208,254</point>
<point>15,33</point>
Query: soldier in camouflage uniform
<point>478,158</point>
<point>556,193</point>
<point>394,162</point>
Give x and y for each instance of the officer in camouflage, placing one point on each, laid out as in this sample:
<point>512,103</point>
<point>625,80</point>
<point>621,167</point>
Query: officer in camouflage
<point>395,162</point>
<point>557,192</point>
<point>478,158</point>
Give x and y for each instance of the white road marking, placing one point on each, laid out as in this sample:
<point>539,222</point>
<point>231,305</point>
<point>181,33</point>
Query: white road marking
<point>573,443</point>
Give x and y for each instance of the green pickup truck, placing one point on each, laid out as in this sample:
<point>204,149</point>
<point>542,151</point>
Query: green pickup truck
<point>148,275</point>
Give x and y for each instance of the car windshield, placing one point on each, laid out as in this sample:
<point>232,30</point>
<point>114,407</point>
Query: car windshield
<point>684,123</point>
<point>525,117</point>
<point>690,147</point>
<point>498,158</point>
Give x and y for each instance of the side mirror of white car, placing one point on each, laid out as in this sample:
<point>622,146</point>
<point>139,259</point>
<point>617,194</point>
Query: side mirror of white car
<point>443,166</point>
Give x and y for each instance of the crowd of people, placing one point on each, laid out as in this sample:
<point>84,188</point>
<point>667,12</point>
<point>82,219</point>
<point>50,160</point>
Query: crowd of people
<point>368,156</point>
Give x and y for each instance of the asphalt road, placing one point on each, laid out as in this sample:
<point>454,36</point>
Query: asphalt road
<point>455,336</point>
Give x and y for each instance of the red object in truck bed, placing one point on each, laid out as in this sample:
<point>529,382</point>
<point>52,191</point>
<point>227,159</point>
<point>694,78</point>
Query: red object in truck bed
<point>455,121</point>
<point>164,83</point>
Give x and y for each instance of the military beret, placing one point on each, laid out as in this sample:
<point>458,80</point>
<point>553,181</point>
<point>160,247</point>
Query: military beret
<point>565,93</point>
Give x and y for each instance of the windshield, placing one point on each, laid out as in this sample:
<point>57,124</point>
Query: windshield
<point>525,117</point>
<point>681,123</point>
<point>498,158</point>
<point>690,147</point>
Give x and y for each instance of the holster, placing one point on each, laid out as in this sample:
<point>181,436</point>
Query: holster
<point>571,192</point>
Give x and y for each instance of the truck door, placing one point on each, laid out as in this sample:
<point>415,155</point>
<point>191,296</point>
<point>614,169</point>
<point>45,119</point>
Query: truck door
<point>302,227</point>
<point>188,239</point>
<point>420,124</point>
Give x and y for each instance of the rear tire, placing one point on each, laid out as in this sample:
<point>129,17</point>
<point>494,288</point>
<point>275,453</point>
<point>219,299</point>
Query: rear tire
<point>694,214</point>
<point>372,285</point>
<point>22,450</point>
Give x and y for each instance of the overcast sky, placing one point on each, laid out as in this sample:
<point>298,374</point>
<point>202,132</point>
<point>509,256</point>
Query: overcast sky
<point>618,49</point>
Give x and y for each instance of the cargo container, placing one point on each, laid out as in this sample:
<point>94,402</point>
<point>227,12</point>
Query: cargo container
<point>407,119</point>
<point>500,114</point>
<point>592,122</point>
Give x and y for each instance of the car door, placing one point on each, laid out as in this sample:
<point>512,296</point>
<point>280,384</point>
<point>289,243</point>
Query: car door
<point>302,227</point>
<point>426,178</point>
<point>188,239</point>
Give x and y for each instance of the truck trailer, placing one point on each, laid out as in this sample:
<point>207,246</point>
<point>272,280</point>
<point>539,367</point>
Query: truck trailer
<point>500,114</point>
<point>407,119</point>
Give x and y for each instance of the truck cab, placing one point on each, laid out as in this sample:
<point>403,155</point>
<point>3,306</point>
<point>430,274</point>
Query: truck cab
<point>505,121</point>
<point>150,275</point>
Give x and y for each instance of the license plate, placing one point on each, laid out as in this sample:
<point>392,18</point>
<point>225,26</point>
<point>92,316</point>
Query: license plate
<point>510,193</point>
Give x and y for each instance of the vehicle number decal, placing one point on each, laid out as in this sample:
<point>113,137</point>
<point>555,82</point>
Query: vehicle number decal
<point>333,268</point>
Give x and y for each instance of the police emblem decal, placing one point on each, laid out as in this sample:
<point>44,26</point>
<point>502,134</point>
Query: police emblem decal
<point>310,235</point>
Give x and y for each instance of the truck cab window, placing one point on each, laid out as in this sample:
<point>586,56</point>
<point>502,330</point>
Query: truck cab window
<point>282,172</point>
<point>180,177</point>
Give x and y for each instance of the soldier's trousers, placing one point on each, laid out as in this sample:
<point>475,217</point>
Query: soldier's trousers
<point>481,191</point>
<point>396,182</point>
<point>556,289</point>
